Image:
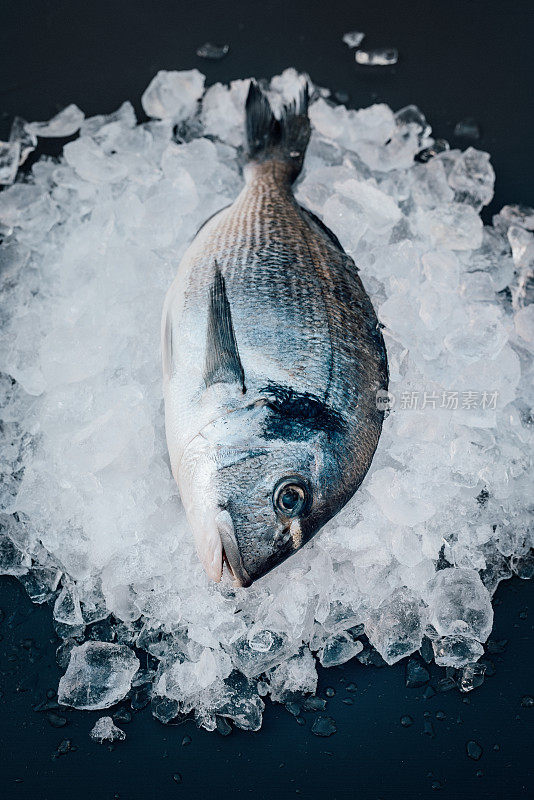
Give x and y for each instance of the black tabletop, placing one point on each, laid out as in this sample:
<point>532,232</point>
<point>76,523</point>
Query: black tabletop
<point>456,60</point>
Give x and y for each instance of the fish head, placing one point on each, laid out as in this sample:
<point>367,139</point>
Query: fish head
<point>254,496</point>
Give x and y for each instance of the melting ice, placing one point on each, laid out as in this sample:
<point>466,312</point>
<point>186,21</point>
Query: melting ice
<point>92,520</point>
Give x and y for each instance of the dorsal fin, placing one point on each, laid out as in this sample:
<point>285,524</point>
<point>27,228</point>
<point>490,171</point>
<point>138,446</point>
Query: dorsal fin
<point>221,363</point>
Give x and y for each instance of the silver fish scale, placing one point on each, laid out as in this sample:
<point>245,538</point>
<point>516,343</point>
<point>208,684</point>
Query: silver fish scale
<point>297,301</point>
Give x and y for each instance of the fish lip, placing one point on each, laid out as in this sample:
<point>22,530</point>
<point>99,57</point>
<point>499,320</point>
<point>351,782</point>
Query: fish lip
<point>232,556</point>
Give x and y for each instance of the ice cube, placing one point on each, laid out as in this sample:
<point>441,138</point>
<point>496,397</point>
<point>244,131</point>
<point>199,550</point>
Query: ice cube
<point>338,649</point>
<point>416,674</point>
<point>456,651</point>
<point>472,178</point>
<point>213,52</point>
<point>472,676</point>
<point>123,117</point>
<point>241,703</point>
<point>173,95</point>
<point>223,113</point>
<point>9,161</point>
<point>91,163</point>
<point>467,128</point>
<point>99,674</point>
<point>64,124</point>
<point>294,676</point>
<point>395,627</point>
<point>105,730</point>
<point>353,38</point>
<point>459,605</point>
<point>451,226</point>
<point>379,57</point>
<point>27,140</point>
<point>13,559</point>
<point>514,215</point>
<point>67,607</point>
<point>324,726</point>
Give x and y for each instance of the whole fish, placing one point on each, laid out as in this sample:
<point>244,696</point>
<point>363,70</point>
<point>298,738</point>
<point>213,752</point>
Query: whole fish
<point>272,360</point>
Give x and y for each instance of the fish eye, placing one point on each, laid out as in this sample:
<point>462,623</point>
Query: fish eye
<point>291,496</point>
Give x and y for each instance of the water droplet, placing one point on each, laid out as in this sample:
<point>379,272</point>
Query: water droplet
<point>473,750</point>
<point>324,726</point>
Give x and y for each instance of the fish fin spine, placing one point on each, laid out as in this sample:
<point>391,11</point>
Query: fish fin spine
<point>222,362</point>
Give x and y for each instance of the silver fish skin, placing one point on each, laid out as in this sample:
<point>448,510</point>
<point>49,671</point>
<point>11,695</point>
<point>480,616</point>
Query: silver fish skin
<point>272,360</point>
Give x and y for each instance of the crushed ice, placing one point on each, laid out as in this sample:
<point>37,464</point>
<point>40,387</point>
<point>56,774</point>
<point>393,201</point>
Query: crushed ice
<point>92,518</point>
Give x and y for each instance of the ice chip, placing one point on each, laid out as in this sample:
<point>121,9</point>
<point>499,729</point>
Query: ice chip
<point>395,627</point>
<point>173,95</point>
<point>66,123</point>
<point>379,57</point>
<point>99,674</point>
<point>241,703</point>
<point>9,162</point>
<point>223,111</point>
<point>338,649</point>
<point>212,52</point>
<point>324,726</point>
<point>27,140</point>
<point>456,651</point>
<point>451,226</point>
<point>459,605</point>
<point>353,38</point>
<point>105,730</point>
<point>91,162</point>
<point>472,178</point>
<point>514,215</point>
<point>412,116</point>
<point>472,676</point>
<point>467,128</point>
<point>295,676</point>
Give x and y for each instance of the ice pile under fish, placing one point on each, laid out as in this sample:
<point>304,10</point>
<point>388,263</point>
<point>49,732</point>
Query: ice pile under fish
<point>92,517</point>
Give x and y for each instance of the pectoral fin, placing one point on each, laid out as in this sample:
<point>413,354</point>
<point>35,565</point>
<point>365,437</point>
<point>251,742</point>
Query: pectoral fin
<point>222,363</point>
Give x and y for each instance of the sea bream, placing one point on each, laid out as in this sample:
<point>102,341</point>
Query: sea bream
<point>272,360</point>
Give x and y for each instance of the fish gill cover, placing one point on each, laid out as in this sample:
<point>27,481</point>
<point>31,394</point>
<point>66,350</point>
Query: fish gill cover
<point>92,518</point>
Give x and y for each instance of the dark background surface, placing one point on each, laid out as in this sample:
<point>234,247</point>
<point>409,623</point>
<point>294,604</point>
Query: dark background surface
<point>457,59</point>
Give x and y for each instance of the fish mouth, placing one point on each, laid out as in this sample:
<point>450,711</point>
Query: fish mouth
<point>230,550</point>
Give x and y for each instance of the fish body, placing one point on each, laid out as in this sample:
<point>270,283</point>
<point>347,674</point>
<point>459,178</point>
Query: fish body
<point>272,358</point>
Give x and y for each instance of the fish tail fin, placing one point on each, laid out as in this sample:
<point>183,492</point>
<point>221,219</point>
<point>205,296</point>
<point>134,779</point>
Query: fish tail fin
<point>271,139</point>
